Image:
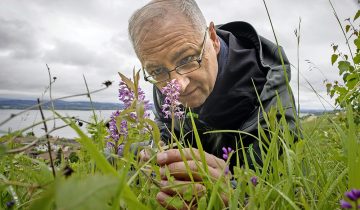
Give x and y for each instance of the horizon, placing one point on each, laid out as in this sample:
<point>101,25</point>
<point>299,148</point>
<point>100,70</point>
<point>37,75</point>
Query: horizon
<point>119,103</point>
<point>90,38</point>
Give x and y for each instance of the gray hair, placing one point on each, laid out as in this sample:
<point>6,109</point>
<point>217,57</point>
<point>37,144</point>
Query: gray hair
<point>157,10</point>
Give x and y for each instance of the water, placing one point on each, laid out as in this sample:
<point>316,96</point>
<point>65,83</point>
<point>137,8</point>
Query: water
<point>34,116</point>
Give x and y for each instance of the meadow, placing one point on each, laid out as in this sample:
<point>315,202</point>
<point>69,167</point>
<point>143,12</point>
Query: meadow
<point>315,166</point>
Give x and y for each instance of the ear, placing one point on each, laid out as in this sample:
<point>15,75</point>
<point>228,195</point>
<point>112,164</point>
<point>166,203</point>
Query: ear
<point>214,38</point>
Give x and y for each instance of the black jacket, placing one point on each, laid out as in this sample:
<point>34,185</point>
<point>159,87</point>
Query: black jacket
<point>252,61</point>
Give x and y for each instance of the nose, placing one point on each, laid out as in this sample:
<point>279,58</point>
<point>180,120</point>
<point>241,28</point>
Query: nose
<point>183,80</point>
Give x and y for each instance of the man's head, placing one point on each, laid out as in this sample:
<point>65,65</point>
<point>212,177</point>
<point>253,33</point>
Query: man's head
<point>170,33</point>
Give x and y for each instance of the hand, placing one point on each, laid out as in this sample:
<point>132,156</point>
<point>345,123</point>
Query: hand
<point>174,163</point>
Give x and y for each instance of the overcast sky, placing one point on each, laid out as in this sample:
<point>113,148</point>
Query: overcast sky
<point>89,37</point>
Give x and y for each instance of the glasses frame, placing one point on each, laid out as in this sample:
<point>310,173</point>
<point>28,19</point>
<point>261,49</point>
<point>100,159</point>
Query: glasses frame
<point>199,60</point>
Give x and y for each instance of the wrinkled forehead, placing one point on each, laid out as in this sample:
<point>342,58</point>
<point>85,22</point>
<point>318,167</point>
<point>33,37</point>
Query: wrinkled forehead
<point>160,35</point>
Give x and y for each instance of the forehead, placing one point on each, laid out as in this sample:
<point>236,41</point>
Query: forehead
<point>165,45</point>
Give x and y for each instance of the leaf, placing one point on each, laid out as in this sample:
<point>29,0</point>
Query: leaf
<point>351,80</point>
<point>46,200</point>
<point>175,201</point>
<point>202,203</point>
<point>155,131</point>
<point>127,81</point>
<point>357,15</point>
<point>357,58</point>
<point>335,48</point>
<point>357,42</point>
<point>140,110</point>
<point>334,57</point>
<point>136,83</point>
<point>93,192</point>
<point>353,150</point>
<point>188,194</point>
<point>343,66</point>
<point>328,87</point>
<point>347,27</point>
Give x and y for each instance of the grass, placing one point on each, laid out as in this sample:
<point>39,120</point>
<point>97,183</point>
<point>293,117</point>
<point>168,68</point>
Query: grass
<point>310,171</point>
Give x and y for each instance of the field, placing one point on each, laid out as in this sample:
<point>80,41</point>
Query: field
<point>312,173</point>
<point>315,165</point>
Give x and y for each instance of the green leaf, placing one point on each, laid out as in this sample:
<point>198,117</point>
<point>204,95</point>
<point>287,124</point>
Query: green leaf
<point>347,27</point>
<point>335,48</point>
<point>343,66</point>
<point>357,42</point>
<point>175,201</point>
<point>198,144</point>
<point>351,80</point>
<point>140,110</point>
<point>357,58</point>
<point>155,131</point>
<point>127,81</point>
<point>93,192</point>
<point>334,57</point>
<point>353,150</point>
<point>202,203</point>
<point>46,200</point>
<point>328,87</point>
<point>188,194</point>
<point>357,15</point>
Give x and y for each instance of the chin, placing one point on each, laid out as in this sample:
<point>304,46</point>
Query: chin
<point>195,102</point>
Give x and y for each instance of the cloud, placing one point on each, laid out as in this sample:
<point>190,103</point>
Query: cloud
<point>89,37</point>
<point>18,39</point>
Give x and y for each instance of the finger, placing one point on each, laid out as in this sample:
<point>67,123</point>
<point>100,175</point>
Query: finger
<point>179,171</point>
<point>174,155</point>
<point>145,155</point>
<point>178,187</point>
<point>168,202</point>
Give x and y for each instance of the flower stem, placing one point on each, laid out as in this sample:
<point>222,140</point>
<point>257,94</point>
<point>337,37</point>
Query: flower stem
<point>172,127</point>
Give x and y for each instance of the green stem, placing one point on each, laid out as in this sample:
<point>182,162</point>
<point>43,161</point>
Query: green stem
<point>172,127</point>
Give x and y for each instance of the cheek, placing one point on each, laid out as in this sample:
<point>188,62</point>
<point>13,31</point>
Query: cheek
<point>212,72</point>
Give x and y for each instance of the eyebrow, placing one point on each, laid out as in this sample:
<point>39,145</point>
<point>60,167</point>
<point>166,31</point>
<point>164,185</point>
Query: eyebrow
<point>173,58</point>
<point>152,66</point>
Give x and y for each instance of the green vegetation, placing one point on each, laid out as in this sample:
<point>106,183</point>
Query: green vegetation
<point>313,170</point>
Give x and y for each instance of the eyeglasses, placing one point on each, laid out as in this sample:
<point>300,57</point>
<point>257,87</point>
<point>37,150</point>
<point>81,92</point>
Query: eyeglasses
<point>162,75</point>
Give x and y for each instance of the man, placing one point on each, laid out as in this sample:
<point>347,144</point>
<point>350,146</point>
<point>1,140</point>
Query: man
<point>220,71</point>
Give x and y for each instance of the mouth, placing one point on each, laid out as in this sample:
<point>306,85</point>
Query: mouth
<point>188,93</point>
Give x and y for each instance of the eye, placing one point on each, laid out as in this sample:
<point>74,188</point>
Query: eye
<point>156,71</point>
<point>187,60</point>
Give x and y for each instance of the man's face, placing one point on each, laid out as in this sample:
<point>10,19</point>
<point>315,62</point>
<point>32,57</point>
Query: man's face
<point>174,42</point>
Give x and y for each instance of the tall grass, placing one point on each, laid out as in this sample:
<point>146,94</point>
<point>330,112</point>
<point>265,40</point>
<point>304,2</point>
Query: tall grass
<point>307,171</point>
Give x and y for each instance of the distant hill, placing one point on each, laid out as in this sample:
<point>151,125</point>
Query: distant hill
<point>6,103</point>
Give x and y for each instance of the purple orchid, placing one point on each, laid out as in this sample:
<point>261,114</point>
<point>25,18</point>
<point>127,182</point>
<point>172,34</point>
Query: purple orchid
<point>171,103</point>
<point>345,205</point>
<point>126,96</point>
<point>354,196</point>
<point>226,152</point>
<point>254,180</point>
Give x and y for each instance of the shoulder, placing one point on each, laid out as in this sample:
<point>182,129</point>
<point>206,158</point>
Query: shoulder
<point>266,49</point>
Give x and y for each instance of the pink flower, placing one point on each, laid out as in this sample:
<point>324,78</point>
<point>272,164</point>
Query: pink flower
<point>171,101</point>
